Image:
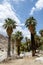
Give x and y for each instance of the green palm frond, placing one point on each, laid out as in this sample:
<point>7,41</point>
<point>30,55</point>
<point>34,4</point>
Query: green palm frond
<point>9,22</point>
<point>31,21</point>
<point>18,35</point>
<point>41,31</point>
<point>13,37</point>
<point>9,25</point>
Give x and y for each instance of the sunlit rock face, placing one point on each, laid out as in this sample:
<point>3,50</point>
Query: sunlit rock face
<point>3,42</point>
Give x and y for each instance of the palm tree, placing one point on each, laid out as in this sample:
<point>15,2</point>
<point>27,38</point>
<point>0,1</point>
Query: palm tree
<point>41,38</point>
<point>13,41</point>
<point>23,47</point>
<point>37,41</point>
<point>18,37</point>
<point>27,43</point>
<point>41,32</point>
<point>9,25</point>
<point>31,24</point>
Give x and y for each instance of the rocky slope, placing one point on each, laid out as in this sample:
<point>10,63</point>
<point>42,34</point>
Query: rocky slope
<point>3,42</point>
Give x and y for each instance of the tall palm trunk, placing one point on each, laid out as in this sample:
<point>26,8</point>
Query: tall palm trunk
<point>18,50</point>
<point>13,48</point>
<point>18,47</point>
<point>27,47</point>
<point>33,44</point>
<point>9,46</point>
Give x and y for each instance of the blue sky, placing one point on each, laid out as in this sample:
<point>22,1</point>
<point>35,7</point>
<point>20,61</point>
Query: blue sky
<point>20,10</point>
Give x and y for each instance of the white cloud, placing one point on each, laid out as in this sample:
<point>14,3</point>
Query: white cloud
<point>2,31</point>
<point>1,24</point>
<point>33,9</point>
<point>25,31</point>
<point>5,12</point>
<point>38,6</point>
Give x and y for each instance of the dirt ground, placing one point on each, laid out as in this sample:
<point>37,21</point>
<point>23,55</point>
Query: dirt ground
<point>23,61</point>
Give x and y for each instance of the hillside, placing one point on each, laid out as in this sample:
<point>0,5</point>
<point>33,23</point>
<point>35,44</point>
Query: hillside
<point>3,41</point>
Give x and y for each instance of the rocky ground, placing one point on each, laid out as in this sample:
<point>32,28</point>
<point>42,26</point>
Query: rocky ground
<point>27,59</point>
<point>24,61</point>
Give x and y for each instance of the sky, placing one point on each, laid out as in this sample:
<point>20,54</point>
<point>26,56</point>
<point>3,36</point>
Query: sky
<point>20,10</point>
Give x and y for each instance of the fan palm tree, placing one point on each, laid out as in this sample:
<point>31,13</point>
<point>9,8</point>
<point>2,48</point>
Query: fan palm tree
<point>13,41</point>
<point>31,24</point>
<point>18,37</point>
<point>27,43</point>
<point>9,25</point>
<point>41,32</point>
<point>37,41</point>
<point>41,37</point>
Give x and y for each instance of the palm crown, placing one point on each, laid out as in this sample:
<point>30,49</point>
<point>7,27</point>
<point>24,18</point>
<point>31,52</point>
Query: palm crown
<point>41,32</point>
<point>9,25</point>
<point>31,23</point>
<point>18,35</point>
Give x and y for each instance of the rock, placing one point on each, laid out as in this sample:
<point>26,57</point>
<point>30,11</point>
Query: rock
<point>3,56</point>
<point>39,59</point>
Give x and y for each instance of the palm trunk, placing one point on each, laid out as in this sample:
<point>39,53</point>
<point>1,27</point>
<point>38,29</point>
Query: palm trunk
<point>33,44</point>
<point>13,48</point>
<point>33,52</point>
<point>18,50</point>
<point>27,47</point>
<point>9,46</point>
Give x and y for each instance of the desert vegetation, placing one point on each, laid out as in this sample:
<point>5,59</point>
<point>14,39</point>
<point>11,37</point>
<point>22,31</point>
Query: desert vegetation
<point>16,38</point>
<point>15,41</point>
